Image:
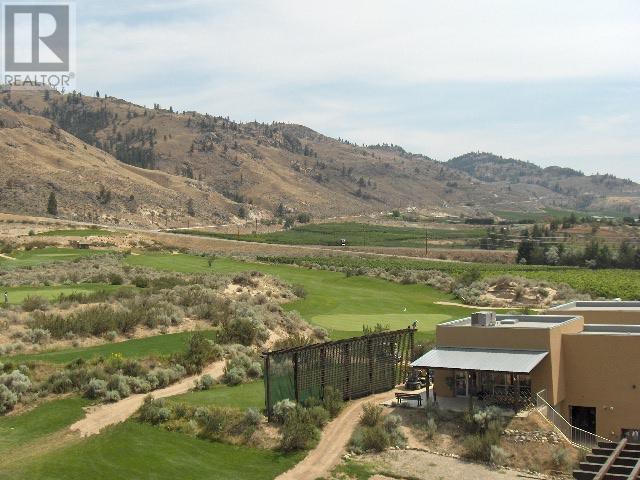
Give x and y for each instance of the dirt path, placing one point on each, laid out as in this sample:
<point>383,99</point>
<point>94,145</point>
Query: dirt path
<point>335,437</point>
<point>4,255</point>
<point>101,416</point>
<point>427,466</point>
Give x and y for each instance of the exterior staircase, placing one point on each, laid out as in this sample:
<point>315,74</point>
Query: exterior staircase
<point>611,461</point>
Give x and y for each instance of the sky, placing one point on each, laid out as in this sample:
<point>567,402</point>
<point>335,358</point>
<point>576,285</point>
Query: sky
<point>552,82</point>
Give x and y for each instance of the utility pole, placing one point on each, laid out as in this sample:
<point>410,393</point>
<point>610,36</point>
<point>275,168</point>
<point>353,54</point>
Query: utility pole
<point>256,226</point>
<point>426,241</point>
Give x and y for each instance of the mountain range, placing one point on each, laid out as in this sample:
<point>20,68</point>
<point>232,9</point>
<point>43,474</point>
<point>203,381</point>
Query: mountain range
<point>111,161</point>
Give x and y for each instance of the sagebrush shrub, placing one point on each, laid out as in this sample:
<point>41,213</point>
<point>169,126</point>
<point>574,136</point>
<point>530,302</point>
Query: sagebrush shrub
<point>154,411</point>
<point>8,399</point>
<point>253,417</point>
<point>34,302</point>
<point>375,438</point>
<point>205,382</point>
<point>96,388</point>
<point>319,416</point>
<point>298,431</point>
<point>371,414</point>
<point>332,400</point>
<point>498,456</point>
<point>283,408</point>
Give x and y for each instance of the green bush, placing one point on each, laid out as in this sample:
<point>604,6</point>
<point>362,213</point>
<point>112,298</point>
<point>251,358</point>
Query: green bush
<point>204,383</point>
<point>200,352</point>
<point>374,438</point>
<point>299,291</point>
<point>96,389</point>
<point>282,409</point>
<point>478,446</point>
<point>34,302</point>
<point>298,431</point>
<point>244,330</point>
<point>119,383</point>
<point>431,428</point>
<point>319,416</point>
<point>561,459</point>
<point>112,396</point>
<point>140,281</point>
<point>332,401</point>
<point>498,456</point>
<point>234,376</point>
<point>37,336</point>
<point>8,399</point>
<point>253,417</point>
<point>371,414</point>
<point>154,411</point>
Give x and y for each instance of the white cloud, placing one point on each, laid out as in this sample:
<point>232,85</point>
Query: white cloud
<point>270,60</point>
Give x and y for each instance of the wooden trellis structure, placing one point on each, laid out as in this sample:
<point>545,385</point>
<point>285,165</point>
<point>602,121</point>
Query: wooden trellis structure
<point>356,367</point>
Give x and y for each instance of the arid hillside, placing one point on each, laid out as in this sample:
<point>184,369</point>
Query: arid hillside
<point>567,187</point>
<point>89,184</point>
<point>162,167</point>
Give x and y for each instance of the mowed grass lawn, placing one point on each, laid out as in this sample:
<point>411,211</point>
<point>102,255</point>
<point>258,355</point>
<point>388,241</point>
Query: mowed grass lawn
<point>336,302</point>
<point>356,234</point>
<point>17,431</point>
<point>38,256</point>
<point>160,345</point>
<point>132,450</point>
<point>18,294</point>
<point>247,395</point>
<point>79,232</point>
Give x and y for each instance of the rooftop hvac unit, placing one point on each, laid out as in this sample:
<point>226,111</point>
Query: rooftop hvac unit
<point>483,319</point>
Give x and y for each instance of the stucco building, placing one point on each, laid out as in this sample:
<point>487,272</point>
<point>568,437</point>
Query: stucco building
<point>583,358</point>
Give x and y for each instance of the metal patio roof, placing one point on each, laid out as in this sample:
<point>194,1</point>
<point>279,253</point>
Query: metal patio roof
<point>487,359</point>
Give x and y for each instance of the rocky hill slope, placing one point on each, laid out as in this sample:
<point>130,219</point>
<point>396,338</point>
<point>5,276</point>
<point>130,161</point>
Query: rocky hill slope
<point>108,159</point>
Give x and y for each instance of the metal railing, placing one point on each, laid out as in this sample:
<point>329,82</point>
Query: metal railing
<point>576,436</point>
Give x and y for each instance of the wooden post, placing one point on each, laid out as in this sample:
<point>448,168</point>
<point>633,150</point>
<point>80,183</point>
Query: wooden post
<point>426,241</point>
<point>295,377</point>
<point>267,389</point>
<point>323,368</point>
<point>370,357</point>
<point>347,367</point>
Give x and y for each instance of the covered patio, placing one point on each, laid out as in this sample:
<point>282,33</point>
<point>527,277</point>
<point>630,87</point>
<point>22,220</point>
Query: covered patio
<point>491,376</point>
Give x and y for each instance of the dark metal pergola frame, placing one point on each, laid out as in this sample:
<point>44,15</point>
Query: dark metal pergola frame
<point>357,366</point>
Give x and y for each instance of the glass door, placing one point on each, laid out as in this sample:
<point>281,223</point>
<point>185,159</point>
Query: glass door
<point>461,384</point>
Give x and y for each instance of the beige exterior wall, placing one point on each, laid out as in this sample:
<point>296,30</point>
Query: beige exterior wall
<point>600,370</point>
<point>440,385</point>
<point>603,317</point>
<point>548,375</point>
<point>603,371</point>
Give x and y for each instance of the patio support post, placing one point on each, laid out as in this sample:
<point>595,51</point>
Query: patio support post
<point>295,377</point>
<point>267,383</point>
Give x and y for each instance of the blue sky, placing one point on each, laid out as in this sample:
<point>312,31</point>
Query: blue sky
<point>546,81</point>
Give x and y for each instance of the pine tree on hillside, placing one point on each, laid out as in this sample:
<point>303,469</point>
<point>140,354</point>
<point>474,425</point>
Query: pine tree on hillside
<point>52,204</point>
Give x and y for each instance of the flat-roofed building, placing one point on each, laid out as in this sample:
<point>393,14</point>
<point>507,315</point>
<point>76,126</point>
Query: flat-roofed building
<point>611,312</point>
<point>589,373</point>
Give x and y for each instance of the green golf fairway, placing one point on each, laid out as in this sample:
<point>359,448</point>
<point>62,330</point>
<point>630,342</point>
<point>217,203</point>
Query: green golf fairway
<point>334,301</point>
<point>132,450</point>
<point>18,294</point>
